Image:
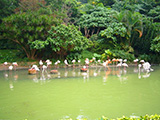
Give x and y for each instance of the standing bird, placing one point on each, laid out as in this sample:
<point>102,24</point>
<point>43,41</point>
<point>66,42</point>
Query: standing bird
<point>87,62</point>
<point>40,63</point>
<point>5,64</point>
<point>15,65</point>
<point>35,67</point>
<point>79,61</point>
<point>10,67</point>
<point>73,61</point>
<point>120,63</point>
<point>147,67</point>
<point>135,62</point>
<point>105,64</point>
<point>48,64</point>
<point>124,64</point>
<point>56,63</point>
<point>66,62</point>
<point>44,68</point>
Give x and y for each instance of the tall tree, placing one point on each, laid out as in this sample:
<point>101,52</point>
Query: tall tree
<point>95,20</point>
<point>133,21</point>
<point>24,28</point>
<point>7,8</point>
<point>63,39</point>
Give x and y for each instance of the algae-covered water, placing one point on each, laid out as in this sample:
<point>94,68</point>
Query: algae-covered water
<point>74,94</point>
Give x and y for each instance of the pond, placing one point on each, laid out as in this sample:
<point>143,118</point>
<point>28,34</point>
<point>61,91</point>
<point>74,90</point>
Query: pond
<point>74,94</point>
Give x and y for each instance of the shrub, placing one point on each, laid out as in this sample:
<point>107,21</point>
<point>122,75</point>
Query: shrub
<point>118,54</point>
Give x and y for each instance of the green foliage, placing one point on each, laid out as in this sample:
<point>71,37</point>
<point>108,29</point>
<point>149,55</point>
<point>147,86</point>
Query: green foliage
<point>24,28</point>
<point>154,58</point>
<point>95,20</point>
<point>155,44</point>
<point>76,56</point>
<point>150,31</point>
<point>114,32</point>
<point>155,14</point>
<point>7,8</point>
<point>125,25</point>
<point>145,57</point>
<point>63,39</point>
<point>97,56</point>
<point>10,56</point>
<point>87,54</point>
<point>146,117</point>
<point>110,54</point>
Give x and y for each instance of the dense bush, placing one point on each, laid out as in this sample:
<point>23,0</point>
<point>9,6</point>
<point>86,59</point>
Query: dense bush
<point>110,54</point>
<point>11,56</point>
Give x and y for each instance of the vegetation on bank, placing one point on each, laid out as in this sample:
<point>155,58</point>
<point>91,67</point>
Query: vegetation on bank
<point>66,29</point>
<point>146,117</point>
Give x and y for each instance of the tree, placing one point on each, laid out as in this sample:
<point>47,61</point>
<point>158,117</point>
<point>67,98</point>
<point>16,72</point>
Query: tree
<point>64,9</point>
<point>155,14</point>
<point>95,20</point>
<point>30,5</point>
<point>115,35</point>
<point>63,39</point>
<point>133,21</point>
<point>7,8</point>
<point>150,31</point>
<point>155,46</point>
<point>24,28</point>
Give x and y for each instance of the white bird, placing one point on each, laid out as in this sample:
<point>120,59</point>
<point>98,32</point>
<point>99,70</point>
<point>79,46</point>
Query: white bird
<point>73,61</point>
<point>124,65</point>
<point>147,67</point>
<point>65,62</point>
<point>79,61</point>
<point>5,63</point>
<point>40,62</point>
<point>44,68</point>
<point>142,61</point>
<point>47,60</point>
<point>35,67</point>
<point>139,66</point>
<point>58,61</point>
<point>49,63</point>
<point>10,67</point>
<point>87,61</point>
<point>15,63</point>
<point>94,58</point>
<point>125,60</point>
<point>120,63</point>
<point>135,61</point>
<point>84,67</point>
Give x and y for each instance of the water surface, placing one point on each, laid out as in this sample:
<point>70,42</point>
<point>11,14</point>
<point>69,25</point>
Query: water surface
<point>74,94</point>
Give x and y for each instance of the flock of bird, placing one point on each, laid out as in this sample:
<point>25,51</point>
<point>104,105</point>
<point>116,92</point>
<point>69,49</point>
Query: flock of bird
<point>13,65</point>
<point>43,66</point>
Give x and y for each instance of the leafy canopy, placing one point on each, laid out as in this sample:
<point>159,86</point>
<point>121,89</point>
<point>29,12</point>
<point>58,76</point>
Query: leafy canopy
<point>24,28</point>
<point>63,39</point>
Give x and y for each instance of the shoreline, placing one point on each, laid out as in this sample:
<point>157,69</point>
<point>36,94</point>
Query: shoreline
<point>2,67</point>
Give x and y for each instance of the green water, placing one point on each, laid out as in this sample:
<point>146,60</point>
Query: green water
<point>73,94</point>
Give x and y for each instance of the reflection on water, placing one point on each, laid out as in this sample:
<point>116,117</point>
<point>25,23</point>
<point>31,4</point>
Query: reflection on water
<point>43,76</point>
<point>142,73</point>
<point>71,93</point>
